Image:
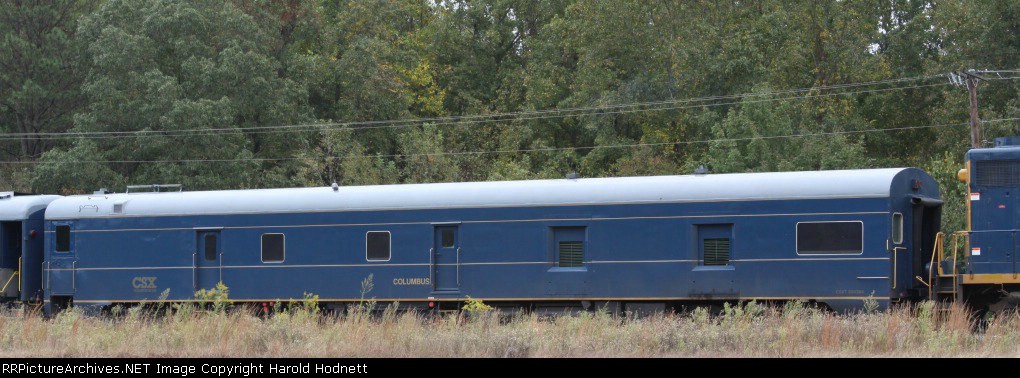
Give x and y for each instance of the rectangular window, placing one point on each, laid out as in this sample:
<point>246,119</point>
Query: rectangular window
<point>897,228</point>
<point>830,238</point>
<point>568,246</point>
<point>571,254</point>
<point>377,245</point>
<point>448,238</point>
<point>210,247</point>
<point>715,244</point>
<point>63,238</point>
<point>273,247</point>
<point>716,251</point>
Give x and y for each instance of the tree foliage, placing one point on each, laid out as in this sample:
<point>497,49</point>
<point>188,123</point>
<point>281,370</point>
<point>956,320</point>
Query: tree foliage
<point>181,89</point>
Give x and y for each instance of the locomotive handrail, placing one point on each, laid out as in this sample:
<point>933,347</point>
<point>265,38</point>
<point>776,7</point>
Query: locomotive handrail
<point>956,245</point>
<point>432,269</point>
<point>936,252</point>
<point>458,267</point>
<point>194,271</point>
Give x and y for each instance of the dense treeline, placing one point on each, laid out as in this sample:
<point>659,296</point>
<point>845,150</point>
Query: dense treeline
<point>103,93</point>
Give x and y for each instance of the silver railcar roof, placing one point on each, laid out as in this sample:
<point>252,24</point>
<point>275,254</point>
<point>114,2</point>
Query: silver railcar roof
<point>652,189</point>
<point>20,207</point>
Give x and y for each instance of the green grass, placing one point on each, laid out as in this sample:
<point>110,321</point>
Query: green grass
<point>747,331</point>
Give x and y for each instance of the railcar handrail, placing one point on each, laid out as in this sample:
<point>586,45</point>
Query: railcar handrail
<point>156,188</point>
<point>9,280</point>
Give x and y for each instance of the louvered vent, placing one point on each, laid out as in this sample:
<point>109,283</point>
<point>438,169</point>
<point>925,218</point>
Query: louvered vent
<point>571,254</point>
<point>998,173</point>
<point>717,251</point>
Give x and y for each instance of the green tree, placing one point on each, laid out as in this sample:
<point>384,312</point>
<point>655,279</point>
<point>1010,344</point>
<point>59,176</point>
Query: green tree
<point>41,69</point>
<point>160,73</point>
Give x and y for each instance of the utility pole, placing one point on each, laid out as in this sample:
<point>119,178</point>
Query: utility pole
<point>970,79</point>
<point>975,125</point>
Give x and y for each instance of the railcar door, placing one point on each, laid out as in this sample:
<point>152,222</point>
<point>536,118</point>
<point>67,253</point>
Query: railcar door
<point>59,269</point>
<point>208,259</point>
<point>926,219</point>
<point>446,259</point>
<point>10,259</point>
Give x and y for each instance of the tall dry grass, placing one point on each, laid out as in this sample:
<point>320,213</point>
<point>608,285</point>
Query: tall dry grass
<point>751,330</point>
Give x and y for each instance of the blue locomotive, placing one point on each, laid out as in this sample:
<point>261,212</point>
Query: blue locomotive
<point>837,238</point>
<point>987,274</point>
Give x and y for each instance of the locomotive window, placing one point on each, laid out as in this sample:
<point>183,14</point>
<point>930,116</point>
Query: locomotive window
<point>830,238</point>
<point>897,228</point>
<point>63,238</point>
<point>377,245</point>
<point>210,247</point>
<point>273,247</point>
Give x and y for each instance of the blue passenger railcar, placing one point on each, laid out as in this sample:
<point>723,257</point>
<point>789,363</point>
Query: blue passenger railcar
<point>21,246</point>
<point>837,237</point>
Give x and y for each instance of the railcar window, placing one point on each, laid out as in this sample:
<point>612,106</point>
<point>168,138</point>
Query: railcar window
<point>571,254</point>
<point>568,246</point>
<point>63,238</point>
<point>448,238</point>
<point>717,251</point>
<point>210,247</point>
<point>897,228</point>
<point>716,244</point>
<point>273,247</point>
<point>830,238</point>
<point>377,245</point>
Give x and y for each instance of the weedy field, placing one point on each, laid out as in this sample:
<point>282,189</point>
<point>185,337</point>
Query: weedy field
<point>751,330</point>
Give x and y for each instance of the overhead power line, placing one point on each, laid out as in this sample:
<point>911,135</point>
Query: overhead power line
<point>531,150</point>
<point>502,117</point>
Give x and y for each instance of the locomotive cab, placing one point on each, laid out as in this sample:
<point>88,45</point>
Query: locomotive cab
<point>21,245</point>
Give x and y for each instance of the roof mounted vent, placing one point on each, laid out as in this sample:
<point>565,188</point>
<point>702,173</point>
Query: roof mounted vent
<point>336,187</point>
<point>6,195</point>
<point>155,188</point>
<point>101,191</point>
<point>1010,141</point>
<point>573,176</point>
<point>701,170</point>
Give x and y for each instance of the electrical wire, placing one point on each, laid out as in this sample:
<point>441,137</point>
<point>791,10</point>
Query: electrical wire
<point>531,150</point>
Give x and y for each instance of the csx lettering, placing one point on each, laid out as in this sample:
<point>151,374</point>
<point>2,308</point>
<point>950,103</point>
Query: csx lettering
<point>144,282</point>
